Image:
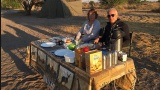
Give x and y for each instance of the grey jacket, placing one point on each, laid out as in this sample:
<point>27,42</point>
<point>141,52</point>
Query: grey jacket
<point>87,32</point>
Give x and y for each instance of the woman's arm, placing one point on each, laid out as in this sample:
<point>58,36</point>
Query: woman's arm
<point>80,31</point>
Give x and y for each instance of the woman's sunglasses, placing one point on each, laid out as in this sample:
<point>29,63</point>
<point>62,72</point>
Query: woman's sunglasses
<point>110,15</point>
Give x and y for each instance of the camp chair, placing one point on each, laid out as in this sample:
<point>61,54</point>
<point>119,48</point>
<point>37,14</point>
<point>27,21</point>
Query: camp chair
<point>130,45</point>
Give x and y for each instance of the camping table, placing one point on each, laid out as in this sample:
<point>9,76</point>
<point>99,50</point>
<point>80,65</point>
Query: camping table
<point>65,76</point>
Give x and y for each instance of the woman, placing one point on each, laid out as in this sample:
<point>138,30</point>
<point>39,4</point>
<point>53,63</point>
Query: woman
<point>90,28</point>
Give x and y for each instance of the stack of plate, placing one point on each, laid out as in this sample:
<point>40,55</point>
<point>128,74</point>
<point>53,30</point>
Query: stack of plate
<point>48,44</point>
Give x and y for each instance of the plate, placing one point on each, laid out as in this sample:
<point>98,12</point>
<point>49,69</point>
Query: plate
<point>86,44</point>
<point>56,37</point>
<point>48,44</point>
<point>62,52</point>
<point>64,39</point>
<point>52,40</point>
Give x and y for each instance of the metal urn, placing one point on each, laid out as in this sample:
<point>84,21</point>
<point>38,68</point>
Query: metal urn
<point>117,40</point>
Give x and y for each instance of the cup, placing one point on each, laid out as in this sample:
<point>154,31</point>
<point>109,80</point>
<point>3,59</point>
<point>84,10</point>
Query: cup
<point>76,42</point>
<point>124,57</point>
<point>70,57</point>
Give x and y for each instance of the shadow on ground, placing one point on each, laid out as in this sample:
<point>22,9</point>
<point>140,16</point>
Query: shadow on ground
<point>12,45</point>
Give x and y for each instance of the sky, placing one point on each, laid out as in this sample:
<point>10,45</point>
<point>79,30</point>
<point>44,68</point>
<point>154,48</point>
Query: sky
<point>152,0</point>
<point>99,0</point>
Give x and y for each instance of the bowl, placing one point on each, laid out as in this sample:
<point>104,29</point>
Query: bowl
<point>71,46</point>
<point>69,57</point>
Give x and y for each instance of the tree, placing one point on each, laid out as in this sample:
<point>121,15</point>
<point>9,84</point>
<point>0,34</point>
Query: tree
<point>92,4</point>
<point>28,4</point>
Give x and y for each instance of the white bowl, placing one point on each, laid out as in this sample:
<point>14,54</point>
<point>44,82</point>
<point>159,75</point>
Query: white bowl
<point>69,57</point>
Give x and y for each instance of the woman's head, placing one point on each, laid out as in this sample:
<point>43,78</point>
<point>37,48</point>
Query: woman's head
<point>92,14</point>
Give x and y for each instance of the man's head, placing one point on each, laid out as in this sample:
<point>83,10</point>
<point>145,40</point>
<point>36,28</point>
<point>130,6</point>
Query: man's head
<point>112,15</point>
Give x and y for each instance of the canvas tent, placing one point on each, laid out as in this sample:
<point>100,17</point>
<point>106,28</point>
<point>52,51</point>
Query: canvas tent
<point>60,8</point>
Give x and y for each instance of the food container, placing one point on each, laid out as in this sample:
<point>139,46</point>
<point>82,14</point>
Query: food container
<point>124,57</point>
<point>104,62</point>
<point>67,39</point>
<point>114,57</point>
<point>71,46</point>
<point>93,60</point>
<point>109,59</point>
<point>69,57</point>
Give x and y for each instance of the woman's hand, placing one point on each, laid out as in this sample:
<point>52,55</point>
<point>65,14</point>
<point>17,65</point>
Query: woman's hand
<point>77,41</point>
<point>96,40</point>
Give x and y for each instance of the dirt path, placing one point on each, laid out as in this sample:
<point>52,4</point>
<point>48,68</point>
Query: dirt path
<point>18,30</point>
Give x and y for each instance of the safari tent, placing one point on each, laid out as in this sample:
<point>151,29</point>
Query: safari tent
<point>61,8</point>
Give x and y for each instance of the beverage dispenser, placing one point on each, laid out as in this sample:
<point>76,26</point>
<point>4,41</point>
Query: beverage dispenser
<point>117,40</point>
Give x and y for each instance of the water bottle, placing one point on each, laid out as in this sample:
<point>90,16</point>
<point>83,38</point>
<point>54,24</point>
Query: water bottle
<point>104,62</point>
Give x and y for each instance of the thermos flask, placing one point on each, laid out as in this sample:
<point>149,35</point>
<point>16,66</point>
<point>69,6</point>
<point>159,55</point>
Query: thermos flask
<point>104,63</point>
<point>108,59</point>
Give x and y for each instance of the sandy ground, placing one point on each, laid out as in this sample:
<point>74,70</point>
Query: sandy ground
<point>18,30</point>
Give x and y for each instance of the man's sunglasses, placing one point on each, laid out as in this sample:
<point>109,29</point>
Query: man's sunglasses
<point>110,15</point>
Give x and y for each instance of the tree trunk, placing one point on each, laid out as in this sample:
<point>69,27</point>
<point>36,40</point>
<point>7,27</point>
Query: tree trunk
<point>28,6</point>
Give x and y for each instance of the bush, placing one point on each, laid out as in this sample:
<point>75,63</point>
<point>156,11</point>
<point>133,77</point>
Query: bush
<point>156,10</point>
<point>92,4</point>
<point>112,3</point>
<point>134,1</point>
<point>10,4</point>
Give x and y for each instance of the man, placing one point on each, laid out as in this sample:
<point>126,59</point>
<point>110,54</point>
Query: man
<point>108,33</point>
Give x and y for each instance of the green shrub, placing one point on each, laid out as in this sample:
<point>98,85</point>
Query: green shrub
<point>156,10</point>
<point>10,4</point>
<point>114,2</point>
<point>134,1</point>
<point>92,4</point>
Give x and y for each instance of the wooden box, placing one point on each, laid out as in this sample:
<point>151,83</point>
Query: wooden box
<point>93,61</point>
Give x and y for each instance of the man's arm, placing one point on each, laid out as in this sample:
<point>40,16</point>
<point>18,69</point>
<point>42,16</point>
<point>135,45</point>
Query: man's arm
<point>126,37</point>
<point>101,33</point>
